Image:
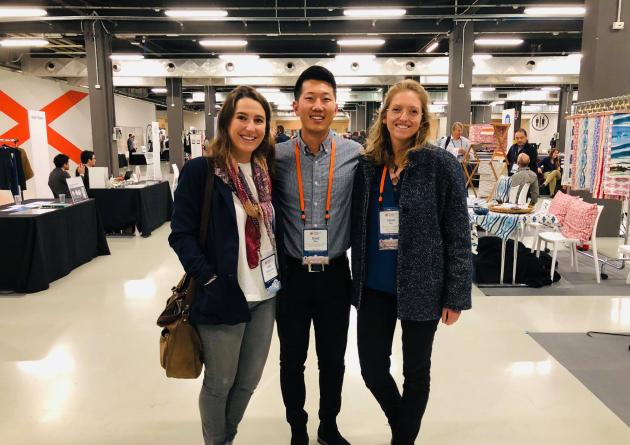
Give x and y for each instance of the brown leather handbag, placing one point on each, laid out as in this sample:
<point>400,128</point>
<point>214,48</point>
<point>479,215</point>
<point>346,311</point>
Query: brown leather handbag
<point>180,344</point>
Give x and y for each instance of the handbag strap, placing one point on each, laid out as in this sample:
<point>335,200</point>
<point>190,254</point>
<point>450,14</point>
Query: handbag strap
<point>206,221</point>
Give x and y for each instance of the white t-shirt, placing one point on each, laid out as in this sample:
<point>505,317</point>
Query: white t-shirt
<point>455,144</point>
<point>250,280</point>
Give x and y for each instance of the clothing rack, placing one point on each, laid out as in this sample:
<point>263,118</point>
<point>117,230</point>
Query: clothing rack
<point>15,141</point>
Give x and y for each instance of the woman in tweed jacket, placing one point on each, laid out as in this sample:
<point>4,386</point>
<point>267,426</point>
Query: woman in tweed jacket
<point>418,272</point>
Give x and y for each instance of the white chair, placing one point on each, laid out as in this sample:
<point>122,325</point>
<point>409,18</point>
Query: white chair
<point>624,251</point>
<point>543,210</point>
<point>518,194</point>
<point>557,238</point>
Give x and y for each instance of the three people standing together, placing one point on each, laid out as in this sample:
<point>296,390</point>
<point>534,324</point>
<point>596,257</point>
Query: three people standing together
<point>401,205</point>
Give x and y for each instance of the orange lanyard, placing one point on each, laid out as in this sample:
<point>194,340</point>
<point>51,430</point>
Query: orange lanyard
<point>331,170</point>
<point>382,187</point>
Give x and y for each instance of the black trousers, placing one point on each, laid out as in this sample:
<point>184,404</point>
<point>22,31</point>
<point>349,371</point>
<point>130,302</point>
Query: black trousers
<point>376,322</point>
<point>322,298</point>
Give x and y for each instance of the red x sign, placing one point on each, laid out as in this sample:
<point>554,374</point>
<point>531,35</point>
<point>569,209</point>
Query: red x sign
<point>53,110</point>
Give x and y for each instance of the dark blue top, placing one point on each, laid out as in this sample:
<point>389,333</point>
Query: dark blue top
<point>380,264</point>
<point>547,165</point>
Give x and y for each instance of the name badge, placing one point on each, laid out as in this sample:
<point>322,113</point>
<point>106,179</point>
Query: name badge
<point>388,228</point>
<point>315,246</point>
<point>269,270</point>
<point>514,168</point>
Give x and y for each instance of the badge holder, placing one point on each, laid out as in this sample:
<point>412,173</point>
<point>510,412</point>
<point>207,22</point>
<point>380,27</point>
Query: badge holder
<point>315,251</point>
<point>269,270</point>
<point>388,228</point>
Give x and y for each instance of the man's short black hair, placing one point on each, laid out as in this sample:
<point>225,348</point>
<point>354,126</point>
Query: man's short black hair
<point>86,155</point>
<point>60,160</point>
<point>314,72</point>
<point>280,129</point>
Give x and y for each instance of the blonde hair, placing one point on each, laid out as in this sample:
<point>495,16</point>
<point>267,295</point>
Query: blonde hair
<point>379,145</point>
<point>457,125</point>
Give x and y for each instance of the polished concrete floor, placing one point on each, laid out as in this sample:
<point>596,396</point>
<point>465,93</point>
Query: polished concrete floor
<point>79,365</point>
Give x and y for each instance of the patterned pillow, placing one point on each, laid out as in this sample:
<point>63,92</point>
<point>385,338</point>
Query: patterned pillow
<point>579,221</point>
<point>560,204</point>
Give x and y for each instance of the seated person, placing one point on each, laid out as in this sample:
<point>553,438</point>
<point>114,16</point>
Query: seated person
<point>57,178</point>
<point>550,169</point>
<point>87,160</point>
<point>524,175</point>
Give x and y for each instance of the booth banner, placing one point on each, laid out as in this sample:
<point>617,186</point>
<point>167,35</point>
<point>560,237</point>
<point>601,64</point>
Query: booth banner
<point>77,189</point>
<point>195,145</point>
<point>508,117</point>
<point>155,170</point>
<point>39,154</point>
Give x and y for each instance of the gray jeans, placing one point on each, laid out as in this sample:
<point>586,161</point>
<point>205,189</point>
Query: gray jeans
<point>234,358</point>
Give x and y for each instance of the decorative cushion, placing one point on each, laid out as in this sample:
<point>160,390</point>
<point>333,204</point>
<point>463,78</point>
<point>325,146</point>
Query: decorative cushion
<point>579,221</point>
<point>560,204</point>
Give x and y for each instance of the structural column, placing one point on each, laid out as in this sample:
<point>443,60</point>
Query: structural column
<point>100,77</point>
<point>175,113</point>
<point>460,65</point>
<point>361,117</point>
<point>605,52</point>
<point>210,110</point>
<point>564,109</point>
<point>482,114</point>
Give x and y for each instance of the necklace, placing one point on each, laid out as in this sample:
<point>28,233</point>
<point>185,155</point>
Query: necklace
<point>394,174</point>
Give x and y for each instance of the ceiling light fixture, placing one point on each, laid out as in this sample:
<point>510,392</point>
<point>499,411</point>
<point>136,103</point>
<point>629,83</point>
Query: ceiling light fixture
<point>482,89</point>
<point>126,57</point>
<point>22,43</point>
<point>550,89</point>
<point>159,90</point>
<point>22,12</point>
<point>360,42</point>
<point>214,43</point>
<point>498,42</point>
<point>432,47</point>
<point>235,57</point>
<point>196,14</point>
<point>552,11</point>
<point>374,13</point>
<point>478,57</point>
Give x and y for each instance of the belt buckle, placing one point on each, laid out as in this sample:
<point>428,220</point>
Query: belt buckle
<point>318,266</point>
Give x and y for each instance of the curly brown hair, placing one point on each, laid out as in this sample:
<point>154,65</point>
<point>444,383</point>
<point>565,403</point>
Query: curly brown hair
<point>221,145</point>
<point>379,145</point>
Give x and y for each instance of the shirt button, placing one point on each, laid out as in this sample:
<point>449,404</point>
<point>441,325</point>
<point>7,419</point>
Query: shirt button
<point>315,182</point>
<point>315,203</point>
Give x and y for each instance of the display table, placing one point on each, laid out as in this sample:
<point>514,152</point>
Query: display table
<point>38,249</point>
<point>137,159</point>
<point>146,206</point>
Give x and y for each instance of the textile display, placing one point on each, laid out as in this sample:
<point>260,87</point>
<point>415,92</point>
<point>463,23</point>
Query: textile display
<point>599,156</point>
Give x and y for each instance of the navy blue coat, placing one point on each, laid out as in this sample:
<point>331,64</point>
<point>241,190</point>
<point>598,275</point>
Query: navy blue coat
<point>222,301</point>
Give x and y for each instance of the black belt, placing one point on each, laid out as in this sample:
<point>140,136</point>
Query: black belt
<point>297,263</point>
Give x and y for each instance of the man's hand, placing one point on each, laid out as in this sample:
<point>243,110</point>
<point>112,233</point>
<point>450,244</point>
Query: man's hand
<point>81,169</point>
<point>449,316</point>
<point>462,151</point>
<point>539,171</point>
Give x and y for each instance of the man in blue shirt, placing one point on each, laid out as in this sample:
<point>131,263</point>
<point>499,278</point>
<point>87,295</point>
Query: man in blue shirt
<point>313,188</point>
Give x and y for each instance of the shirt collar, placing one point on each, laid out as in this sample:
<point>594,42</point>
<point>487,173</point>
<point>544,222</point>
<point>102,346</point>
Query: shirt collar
<point>324,146</point>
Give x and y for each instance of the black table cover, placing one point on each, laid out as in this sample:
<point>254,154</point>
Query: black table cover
<point>39,249</point>
<point>137,159</point>
<point>146,208</point>
<point>122,160</point>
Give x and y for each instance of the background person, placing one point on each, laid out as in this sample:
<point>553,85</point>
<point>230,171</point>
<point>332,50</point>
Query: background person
<point>57,178</point>
<point>456,144</point>
<point>234,308</point>
<point>315,293</point>
<point>551,170</point>
<point>410,261</point>
<point>280,135</point>
<point>130,145</point>
<point>524,176</point>
<point>521,145</point>
<point>87,160</point>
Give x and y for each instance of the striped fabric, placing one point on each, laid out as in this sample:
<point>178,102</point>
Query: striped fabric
<point>502,191</point>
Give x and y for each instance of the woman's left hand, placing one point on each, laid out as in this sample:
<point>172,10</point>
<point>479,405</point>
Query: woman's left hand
<point>450,316</point>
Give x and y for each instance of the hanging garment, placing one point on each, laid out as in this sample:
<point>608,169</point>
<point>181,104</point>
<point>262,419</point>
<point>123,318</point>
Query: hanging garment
<point>26,165</point>
<point>8,170</point>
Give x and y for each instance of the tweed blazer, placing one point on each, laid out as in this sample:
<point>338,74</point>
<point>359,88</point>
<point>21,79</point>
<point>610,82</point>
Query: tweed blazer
<point>434,269</point>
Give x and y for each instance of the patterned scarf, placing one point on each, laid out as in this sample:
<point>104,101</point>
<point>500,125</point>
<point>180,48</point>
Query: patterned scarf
<point>258,211</point>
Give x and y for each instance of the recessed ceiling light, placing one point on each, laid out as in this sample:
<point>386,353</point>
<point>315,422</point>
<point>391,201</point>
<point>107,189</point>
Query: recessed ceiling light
<point>214,43</point>
<point>483,89</point>
<point>498,42</point>
<point>189,100</point>
<point>235,57</point>
<point>126,57</point>
<point>551,11</point>
<point>196,14</point>
<point>159,90</point>
<point>477,57</point>
<point>22,12</point>
<point>360,42</point>
<point>369,13</point>
<point>432,47</point>
<point>21,43</point>
<point>440,102</point>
